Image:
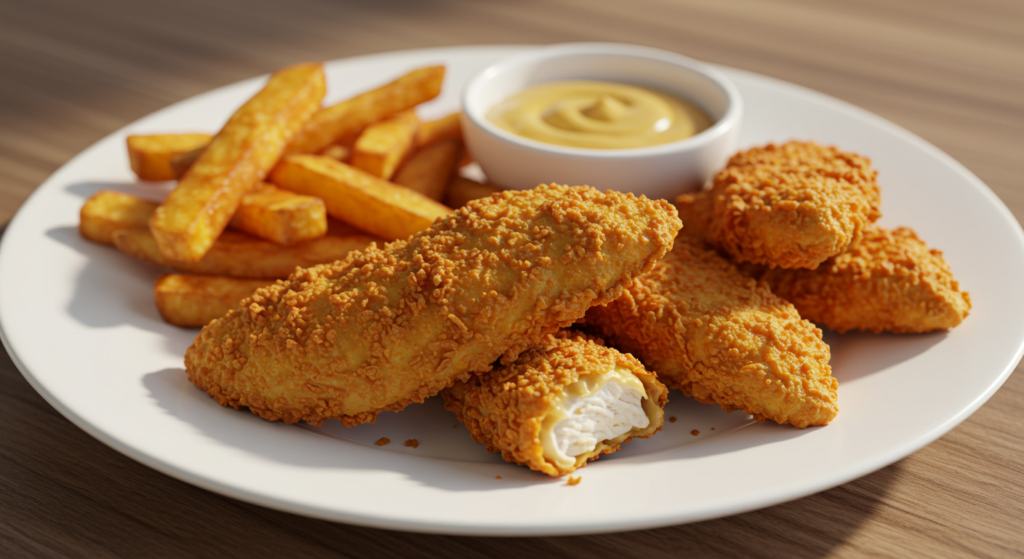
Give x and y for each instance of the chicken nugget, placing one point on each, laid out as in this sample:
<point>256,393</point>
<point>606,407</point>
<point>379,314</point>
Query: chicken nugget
<point>389,326</point>
<point>890,282</point>
<point>560,404</point>
<point>792,205</point>
<point>723,338</point>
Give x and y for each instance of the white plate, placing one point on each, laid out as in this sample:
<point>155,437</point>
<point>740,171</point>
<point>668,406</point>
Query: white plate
<point>79,321</point>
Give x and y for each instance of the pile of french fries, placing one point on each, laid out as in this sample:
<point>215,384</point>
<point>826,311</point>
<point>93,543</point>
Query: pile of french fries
<point>286,183</point>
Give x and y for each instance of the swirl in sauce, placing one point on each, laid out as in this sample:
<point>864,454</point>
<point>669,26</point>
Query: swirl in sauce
<point>598,115</point>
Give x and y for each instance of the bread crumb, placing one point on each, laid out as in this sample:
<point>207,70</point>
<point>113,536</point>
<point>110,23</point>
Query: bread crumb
<point>497,477</point>
<point>672,419</point>
<point>456,426</point>
<point>712,428</point>
<point>573,480</point>
<point>383,441</point>
<point>694,433</point>
<point>412,442</point>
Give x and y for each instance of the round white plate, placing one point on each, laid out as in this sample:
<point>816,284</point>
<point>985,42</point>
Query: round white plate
<point>79,321</point>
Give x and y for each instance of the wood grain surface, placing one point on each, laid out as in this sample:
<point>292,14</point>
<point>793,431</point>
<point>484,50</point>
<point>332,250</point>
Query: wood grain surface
<point>952,71</point>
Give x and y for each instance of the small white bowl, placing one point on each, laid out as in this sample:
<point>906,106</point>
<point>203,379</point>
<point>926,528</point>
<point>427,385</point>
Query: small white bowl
<point>661,171</point>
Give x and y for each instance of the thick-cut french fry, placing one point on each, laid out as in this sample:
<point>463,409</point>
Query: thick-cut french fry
<point>384,145</point>
<point>462,190</point>
<point>429,170</point>
<point>242,256</point>
<point>151,155</point>
<point>370,203</point>
<point>237,159</point>
<point>193,301</point>
<point>182,162</point>
<point>272,213</point>
<point>338,151</point>
<point>440,129</point>
<point>280,215</point>
<point>341,149</point>
<point>107,211</point>
<point>349,117</point>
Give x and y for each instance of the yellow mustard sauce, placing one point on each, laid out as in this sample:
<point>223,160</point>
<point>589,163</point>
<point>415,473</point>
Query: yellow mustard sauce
<point>598,115</point>
<point>587,385</point>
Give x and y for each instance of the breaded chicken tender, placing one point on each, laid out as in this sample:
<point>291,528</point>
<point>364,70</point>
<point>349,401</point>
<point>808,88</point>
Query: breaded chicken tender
<point>562,403</point>
<point>791,205</point>
<point>722,338</point>
<point>389,326</point>
<point>891,281</point>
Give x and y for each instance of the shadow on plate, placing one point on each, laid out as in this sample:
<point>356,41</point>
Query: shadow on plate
<point>856,355</point>
<point>114,289</point>
<point>153,191</point>
<point>445,455</point>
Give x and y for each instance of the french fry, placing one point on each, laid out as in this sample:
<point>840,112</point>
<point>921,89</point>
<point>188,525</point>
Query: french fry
<point>281,216</point>
<point>182,162</point>
<point>349,117</point>
<point>186,225</point>
<point>383,145</point>
<point>462,190</point>
<point>272,213</point>
<point>338,151</point>
<point>341,149</point>
<point>440,129</point>
<point>192,301</point>
<point>107,211</point>
<point>430,169</point>
<point>242,256</point>
<point>370,203</point>
<point>151,155</point>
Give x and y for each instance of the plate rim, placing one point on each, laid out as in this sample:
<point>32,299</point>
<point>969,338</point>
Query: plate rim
<point>844,476</point>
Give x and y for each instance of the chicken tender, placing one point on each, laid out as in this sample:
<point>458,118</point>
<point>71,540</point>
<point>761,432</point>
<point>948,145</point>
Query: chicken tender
<point>891,281</point>
<point>791,206</point>
<point>390,326</point>
<point>722,338</point>
<point>562,403</point>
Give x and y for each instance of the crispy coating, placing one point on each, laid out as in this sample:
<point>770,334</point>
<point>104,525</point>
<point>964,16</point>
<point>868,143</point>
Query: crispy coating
<point>722,338</point>
<point>505,408</point>
<point>891,281</point>
<point>791,205</point>
<point>387,327</point>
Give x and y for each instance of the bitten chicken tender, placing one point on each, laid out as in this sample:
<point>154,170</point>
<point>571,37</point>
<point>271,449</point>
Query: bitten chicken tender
<point>791,205</point>
<point>722,338</point>
<point>562,403</point>
<point>387,327</point>
<point>891,281</point>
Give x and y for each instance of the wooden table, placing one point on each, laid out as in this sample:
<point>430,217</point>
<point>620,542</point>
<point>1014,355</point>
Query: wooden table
<point>951,71</point>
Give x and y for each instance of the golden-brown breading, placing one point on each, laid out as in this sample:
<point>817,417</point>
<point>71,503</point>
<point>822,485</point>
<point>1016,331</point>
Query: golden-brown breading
<point>891,281</point>
<point>722,338</point>
<point>387,327</point>
<point>791,205</point>
<point>505,408</point>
